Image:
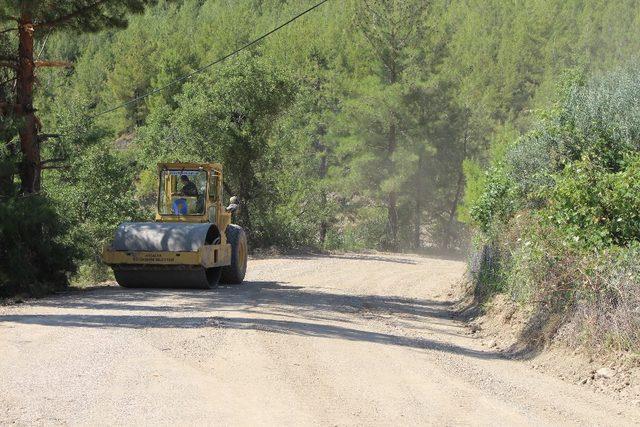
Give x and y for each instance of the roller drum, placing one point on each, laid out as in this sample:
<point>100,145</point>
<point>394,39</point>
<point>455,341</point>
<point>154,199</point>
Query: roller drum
<point>146,276</point>
<point>165,237</point>
<point>160,236</point>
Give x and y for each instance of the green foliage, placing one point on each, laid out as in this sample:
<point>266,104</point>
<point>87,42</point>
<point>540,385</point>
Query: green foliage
<point>476,179</point>
<point>367,234</point>
<point>564,193</point>
<point>81,15</point>
<point>578,166</point>
<point>497,202</point>
<point>33,257</point>
<point>93,188</point>
<point>597,208</point>
<point>95,195</point>
<point>356,116</point>
<point>239,106</point>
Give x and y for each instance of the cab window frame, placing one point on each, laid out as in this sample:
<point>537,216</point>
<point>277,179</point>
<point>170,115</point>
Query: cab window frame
<point>161,192</point>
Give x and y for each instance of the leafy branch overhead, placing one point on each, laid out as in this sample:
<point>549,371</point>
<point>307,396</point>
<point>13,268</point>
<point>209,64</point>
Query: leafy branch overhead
<point>79,15</point>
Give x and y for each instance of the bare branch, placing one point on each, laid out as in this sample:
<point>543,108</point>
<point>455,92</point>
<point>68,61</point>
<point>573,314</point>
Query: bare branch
<point>44,43</point>
<point>70,16</point>
<point>63,64</point>
<point>6,30</point>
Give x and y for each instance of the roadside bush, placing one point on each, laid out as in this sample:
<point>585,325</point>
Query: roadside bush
<point>497,203</point>
<point>33,259</point>
<point>519,260</point>
<point>94,195</point>
<point>606,315</point>
<point>366,234</point>
<point>529,164</point>
<point>559,215</point>
<point>596,208</point>
<point>600,120</point>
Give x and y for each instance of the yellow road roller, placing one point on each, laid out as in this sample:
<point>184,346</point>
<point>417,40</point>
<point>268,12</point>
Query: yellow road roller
<point>191,244</point>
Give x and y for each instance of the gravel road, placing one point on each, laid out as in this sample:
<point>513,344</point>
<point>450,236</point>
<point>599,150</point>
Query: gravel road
<point>332,340</point>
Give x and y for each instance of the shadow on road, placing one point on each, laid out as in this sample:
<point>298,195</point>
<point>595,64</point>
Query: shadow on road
<point>397,258</point>
<point>358,257</point>
<point>282,296</point>
<point>313,313</point>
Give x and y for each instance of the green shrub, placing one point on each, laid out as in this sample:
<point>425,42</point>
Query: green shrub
<point>497,203</point>
<point>95,194</point>
<point>529,164</point>
<point>33,258</point>
<point>368,232</point>
<point>560,214</point>
<point>579,167</point>
<point>594,207</point>
<point>606,302</point>
<point>601,120</point>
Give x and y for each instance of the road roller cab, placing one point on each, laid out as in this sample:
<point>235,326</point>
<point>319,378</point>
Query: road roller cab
<point>176,205</point>
<point>192,242</point>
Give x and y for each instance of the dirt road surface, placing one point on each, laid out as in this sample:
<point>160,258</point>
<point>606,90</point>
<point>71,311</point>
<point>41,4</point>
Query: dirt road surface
<point>336,340</point>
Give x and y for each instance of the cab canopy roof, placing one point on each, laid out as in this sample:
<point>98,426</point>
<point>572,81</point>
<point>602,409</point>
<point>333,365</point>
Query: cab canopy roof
<point>190,166</point>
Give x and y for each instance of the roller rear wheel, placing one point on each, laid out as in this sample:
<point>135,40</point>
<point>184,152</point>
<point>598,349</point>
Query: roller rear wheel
<point>234,273</point>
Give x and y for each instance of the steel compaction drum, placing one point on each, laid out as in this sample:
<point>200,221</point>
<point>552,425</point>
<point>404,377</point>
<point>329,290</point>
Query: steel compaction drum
<point>161,237</point>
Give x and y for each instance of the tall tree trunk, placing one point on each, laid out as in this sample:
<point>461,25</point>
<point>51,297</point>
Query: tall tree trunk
<point>392,197</point>
<point>454,208</point>
<point>323,222</point>
<point>322,174</point>
<point>28,128</point>
<point>459,188</point>
<point>418,211</point>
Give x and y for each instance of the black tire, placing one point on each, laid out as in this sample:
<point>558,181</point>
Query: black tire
<point>233,274</point>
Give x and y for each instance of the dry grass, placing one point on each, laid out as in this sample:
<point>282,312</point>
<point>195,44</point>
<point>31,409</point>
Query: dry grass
<point>607,308</point>
<point>585,300</point>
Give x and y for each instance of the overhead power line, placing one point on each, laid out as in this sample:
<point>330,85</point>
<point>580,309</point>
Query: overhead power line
<point>204,67</point>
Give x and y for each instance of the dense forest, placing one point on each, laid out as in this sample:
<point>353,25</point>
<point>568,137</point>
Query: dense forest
<point>365,124</point>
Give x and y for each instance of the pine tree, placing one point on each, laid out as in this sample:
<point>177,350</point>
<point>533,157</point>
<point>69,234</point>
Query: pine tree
<point>393,30</point>
<point>27,20</point>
